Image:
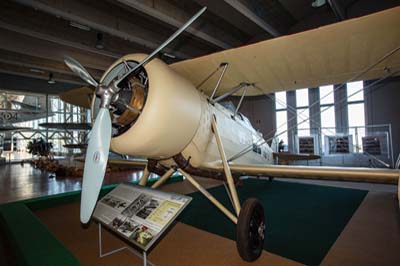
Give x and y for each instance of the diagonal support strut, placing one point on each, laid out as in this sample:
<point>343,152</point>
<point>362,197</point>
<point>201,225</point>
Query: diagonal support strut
<point>227,170</point>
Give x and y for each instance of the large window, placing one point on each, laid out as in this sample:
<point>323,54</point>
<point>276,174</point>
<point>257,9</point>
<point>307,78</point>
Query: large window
<point>326,95</point>
<point>302,113</point>
<point>281,117</point>
<point>58,112</point>
<point>355,100</point>
<point>356,113</point>
<point>328,122</point>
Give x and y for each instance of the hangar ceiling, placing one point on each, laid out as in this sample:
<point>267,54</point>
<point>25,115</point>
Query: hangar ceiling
<point>36,34</point>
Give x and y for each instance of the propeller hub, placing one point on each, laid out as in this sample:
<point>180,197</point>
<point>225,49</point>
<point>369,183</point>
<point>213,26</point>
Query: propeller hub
<point>107,94</point>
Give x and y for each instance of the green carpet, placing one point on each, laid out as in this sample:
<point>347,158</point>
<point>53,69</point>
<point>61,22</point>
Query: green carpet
<point>303,221</point>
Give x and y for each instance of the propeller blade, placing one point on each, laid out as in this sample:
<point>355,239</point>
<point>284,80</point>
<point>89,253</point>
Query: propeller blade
<point>78,69</point>
<point>95,163</point>
<point>162,46</point>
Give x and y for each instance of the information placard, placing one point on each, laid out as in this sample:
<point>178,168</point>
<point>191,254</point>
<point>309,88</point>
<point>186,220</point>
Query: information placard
<point>139,214</point>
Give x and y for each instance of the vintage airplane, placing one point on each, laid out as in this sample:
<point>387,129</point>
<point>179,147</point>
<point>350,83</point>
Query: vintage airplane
<point>14,109</point>
<point>147,108</point>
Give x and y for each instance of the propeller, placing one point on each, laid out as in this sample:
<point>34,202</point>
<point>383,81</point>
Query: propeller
<point>163,45</point>
<point>78,69</point>
<point>100,136</point>
<point>95,163</point>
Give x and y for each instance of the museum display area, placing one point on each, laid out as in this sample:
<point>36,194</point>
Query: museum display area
<point>199,132</point>
<point>312,226</point>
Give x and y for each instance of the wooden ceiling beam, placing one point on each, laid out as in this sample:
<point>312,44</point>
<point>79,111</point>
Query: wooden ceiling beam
<point>25,72</point>
<point>101,20</point>
<point>248,12</point>
<point>41,64</point>
<point>22,44</point>
<point>37,24</point>
<point>12,82</point>
<point>171,15</point>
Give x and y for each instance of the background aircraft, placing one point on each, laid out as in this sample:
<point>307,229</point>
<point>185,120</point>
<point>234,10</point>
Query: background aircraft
<point>16,108</point>
<point>171,114</point>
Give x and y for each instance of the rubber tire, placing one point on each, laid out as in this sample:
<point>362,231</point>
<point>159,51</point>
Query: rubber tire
<point>249,249</point>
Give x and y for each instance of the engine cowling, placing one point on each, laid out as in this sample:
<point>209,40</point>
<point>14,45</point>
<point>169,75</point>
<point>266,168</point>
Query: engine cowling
<point>170,111</point>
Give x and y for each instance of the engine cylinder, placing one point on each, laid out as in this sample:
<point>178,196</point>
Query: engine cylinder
<point>169,118</point>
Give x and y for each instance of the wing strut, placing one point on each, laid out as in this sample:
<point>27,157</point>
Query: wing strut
<point>224,67</point>
<point>227,170</point>
<point>240,102</point>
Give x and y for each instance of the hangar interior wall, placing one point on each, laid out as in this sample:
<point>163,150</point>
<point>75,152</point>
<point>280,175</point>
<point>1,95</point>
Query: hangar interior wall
<point>381,107</point>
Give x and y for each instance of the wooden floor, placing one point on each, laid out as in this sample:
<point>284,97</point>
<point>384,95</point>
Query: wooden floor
<point>19,182</point>
<point>372,237</point>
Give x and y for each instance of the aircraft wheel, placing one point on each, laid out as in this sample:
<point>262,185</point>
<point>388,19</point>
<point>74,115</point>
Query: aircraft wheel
<point>250,230</point>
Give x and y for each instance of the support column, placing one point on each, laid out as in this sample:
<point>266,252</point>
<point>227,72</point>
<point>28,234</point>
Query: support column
<point>341,113</point>
<point>292,120</point>
<point>47,117</point>
<point>315,116</point>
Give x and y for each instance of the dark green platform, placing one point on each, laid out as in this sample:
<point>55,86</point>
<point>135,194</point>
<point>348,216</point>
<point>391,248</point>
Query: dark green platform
<point>303,221</point>
<point>30,239</point>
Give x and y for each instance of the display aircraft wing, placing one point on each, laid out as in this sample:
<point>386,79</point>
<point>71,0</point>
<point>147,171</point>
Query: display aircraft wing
<point>11,128</point>
<point>286,156</point>
<point>331,54</point>
<point>75,146</point>
<point>67,126</point>
<point>121,162</point>
<point>11,116</point>
<point>24,105</point>
<point>356,174</point>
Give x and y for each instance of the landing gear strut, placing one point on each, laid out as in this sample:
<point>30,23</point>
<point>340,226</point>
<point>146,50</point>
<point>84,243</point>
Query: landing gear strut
<point>249,219</point>
<point>250,230</point>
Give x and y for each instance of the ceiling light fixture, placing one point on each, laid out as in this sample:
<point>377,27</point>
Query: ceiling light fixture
<point>51,80</point>
<point>79,26</point>
<point>99,41</point>
<point>34,70</point>
<point>169,55</point>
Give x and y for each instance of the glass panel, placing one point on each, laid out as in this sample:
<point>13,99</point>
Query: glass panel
<point>302,97</point>
<point>280,100</point>
<point>281,126</point>
<point>328,120</point>
<point>356,114</point>
<point>303,122</point>
<point>327,123</point>
<point>326,94</point>
<point>352,88</point>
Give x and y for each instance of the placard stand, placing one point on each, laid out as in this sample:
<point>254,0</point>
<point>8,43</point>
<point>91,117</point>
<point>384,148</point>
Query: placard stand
<point>101,254</point>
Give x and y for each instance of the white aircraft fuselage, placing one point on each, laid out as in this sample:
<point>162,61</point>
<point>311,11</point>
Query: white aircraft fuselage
<point>176,121</point>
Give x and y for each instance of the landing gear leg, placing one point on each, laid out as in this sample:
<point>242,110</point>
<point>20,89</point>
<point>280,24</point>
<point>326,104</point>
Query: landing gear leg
<point>145,177</point>
<point>250,224</point>
<point>250,230</point>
